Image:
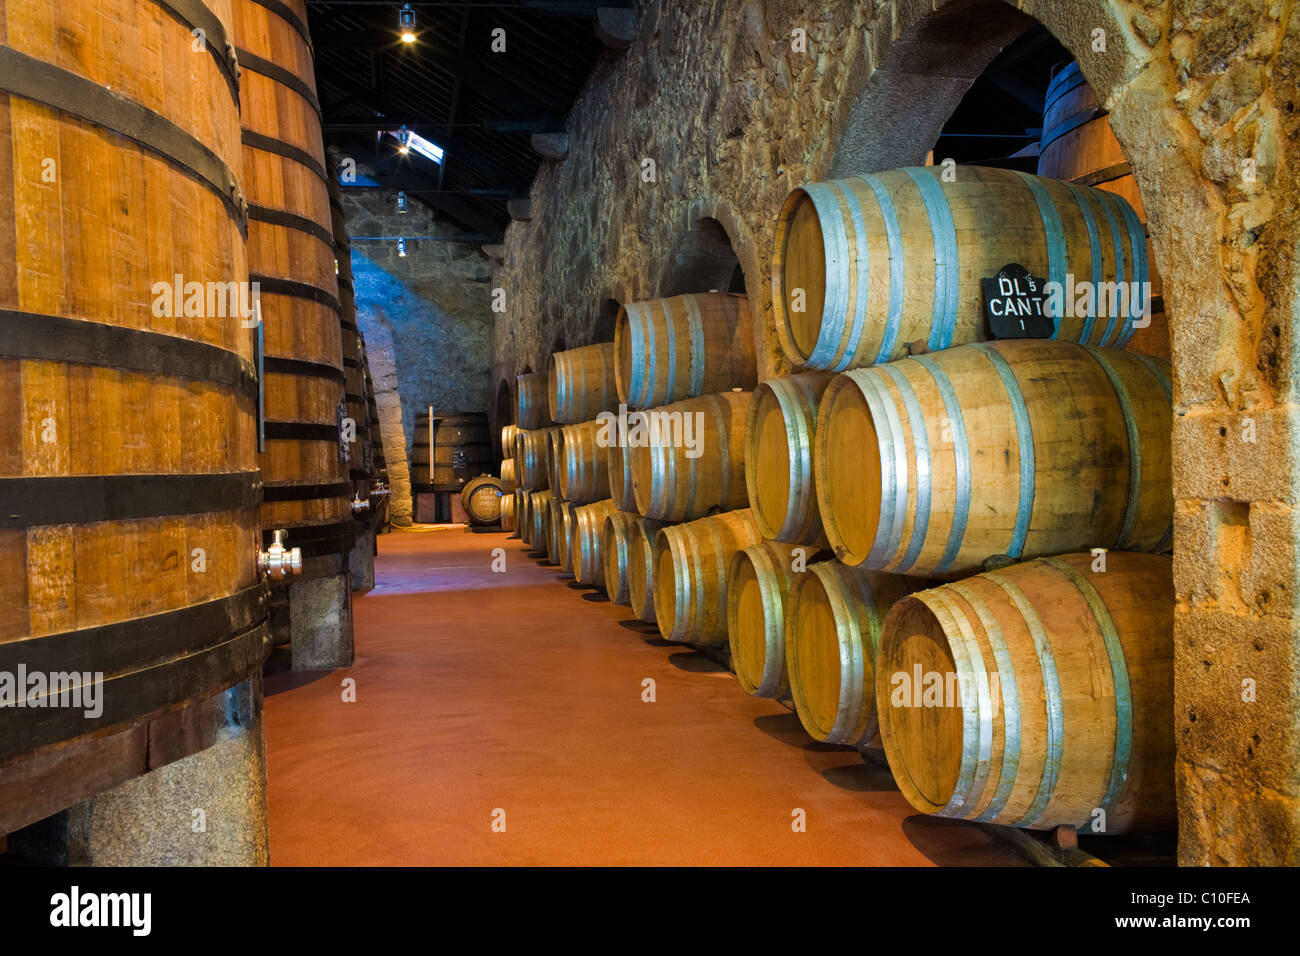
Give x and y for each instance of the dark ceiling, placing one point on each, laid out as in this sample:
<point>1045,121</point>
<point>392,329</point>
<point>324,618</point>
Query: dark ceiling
<point>450,87</point>
<point>1002,113</point>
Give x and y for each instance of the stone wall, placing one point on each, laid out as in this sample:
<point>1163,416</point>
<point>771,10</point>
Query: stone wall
<point>1203,97</point>
<point>425,317</point>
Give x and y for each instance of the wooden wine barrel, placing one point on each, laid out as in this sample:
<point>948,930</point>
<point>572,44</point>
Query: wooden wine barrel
<point>779,430</point>
<point>580,384</point>
<point>674,480</point>
<point>758,580</point>
<point>509,521</point>
<point>614,552</point>
<point>618,461</point>
<point>671,349</point>
<point>690,575</point>
<point>585,537</point>
<point>1079,147</point>
<point>508,434</point>
<point>376,435</point>
<point>291,256</point>
<point>539,512</point>
<point>897,256</point>
<point>932,464</point>
<point>832,633</point>
<point>531,411</point>
<point>583,468</point>
<point>558,533</point>
<point>481,499</point>
<point>554,460</point>
<point>520,498</point>
<point>641,567</point>
<point>508,483</point>
<point>129,436</point>
<point>532,459</point>
<point>1060,699</point>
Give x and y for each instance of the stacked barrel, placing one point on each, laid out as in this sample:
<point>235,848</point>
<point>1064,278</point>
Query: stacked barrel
<point>1033,475</point>
<point>291,255</point>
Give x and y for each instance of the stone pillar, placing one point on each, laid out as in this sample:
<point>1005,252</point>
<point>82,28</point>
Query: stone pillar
<point>361,562</point>
<point>320,615</point>
<point>207,809</point>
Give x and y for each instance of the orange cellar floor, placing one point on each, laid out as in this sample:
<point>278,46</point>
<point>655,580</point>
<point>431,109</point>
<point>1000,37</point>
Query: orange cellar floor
<point>515,698</point>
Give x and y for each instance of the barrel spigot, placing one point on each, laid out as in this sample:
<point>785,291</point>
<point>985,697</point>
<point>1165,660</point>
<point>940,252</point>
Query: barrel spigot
<point>277,560</point>
<point>360,504</point>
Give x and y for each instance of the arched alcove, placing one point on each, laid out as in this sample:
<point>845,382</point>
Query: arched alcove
<point>705,261</point>
<point>606,317</point>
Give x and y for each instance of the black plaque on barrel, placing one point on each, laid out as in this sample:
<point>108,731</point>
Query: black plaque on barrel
<point>1016,304</point>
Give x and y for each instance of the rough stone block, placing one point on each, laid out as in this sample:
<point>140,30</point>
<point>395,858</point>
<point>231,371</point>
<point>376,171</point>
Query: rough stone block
<point>320,620</point>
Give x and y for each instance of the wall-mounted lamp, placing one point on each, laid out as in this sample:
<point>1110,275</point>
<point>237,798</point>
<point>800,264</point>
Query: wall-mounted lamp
<point>401,248</point>
<point>401,201</point>
<point>406,23</point>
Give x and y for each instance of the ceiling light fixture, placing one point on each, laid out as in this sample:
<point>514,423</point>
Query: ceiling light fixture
<point>406,23</point>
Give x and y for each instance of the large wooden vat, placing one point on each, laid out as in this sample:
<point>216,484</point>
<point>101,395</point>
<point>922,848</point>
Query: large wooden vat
<point>693,460</point>
<point>758,581</point>
<point>779,430</point>
<point>930,465</point>
<point>461,449</point>
<point>129,485</point>
<point>580,384</point>
<point>897,256</point>
<point>1045,695</point>
<point>667,350</point>
<point>690,575</point>
<point>291,255</point>
<point>1079,147</point>
<point>833,620</point>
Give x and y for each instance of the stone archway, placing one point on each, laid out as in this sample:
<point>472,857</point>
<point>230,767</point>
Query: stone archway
<point>1225,245</point>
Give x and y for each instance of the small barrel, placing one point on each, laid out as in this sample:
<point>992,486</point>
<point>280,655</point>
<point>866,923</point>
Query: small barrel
<point>508,519</point>
<point>532,457</point>
<point>531,411</point>
<point>693,459</point>
<point>539,514</point>
<point>865,265</point>
<point>508,483</point>
<point>618,458</point>
<point>614,553</point>
<point>641,567</point>
<point>557,534</point>
<point>481,499</point>
<point>690,575</point>
<point>758,581</point>
<point>585,537</point>
<point>1039,695</point>
<point>672,349</point>
<point>508,433</point>
<point>930,465</point>
<point>581,384</point>
<point>583,469</point>
<point>832,632</point>
<point>779,430</point>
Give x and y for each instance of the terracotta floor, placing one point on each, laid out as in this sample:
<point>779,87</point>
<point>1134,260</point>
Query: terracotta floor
<point>519,691</point>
